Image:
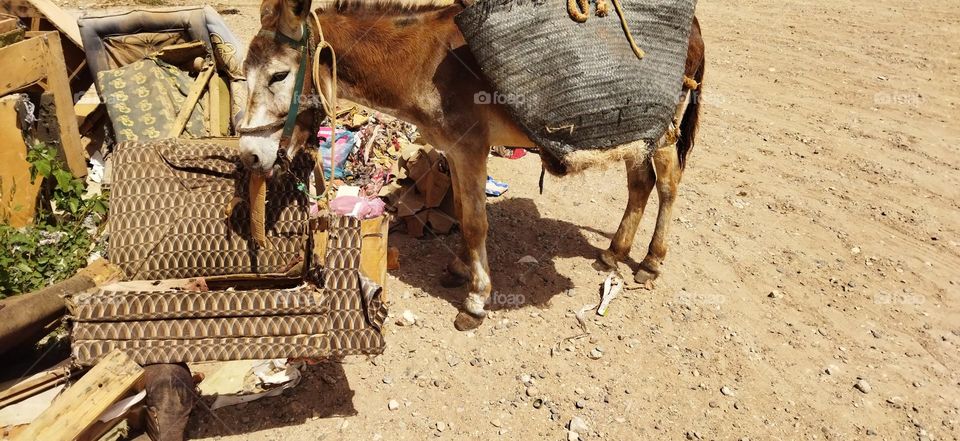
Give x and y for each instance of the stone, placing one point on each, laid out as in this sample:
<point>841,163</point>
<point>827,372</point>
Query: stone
<point>532,391</point>
<point>578,425</point>
<point>393,405</point>
<point>596,353</point>
<point>407,318</point>
<point>726,391</point>
<point>863,386</point>
<point>441,426</point>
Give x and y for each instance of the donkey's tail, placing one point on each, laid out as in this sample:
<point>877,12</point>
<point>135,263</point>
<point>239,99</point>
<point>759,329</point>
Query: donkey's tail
<point>691,117</point>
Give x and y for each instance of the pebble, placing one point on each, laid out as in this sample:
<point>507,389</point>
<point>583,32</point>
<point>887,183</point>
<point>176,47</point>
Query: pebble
<point>578,425</point>
<point>830,370</point>
<point>726,391</point>
<point>441,426</point>
<point>476,362</point>
<point>387,380</point>
<point>407,318</point>
<point>393,405</point>
<point>532,391</point>
<point>863,386</point>
<point>573,436</point>
<point>596,353</point>
<point>775,294</point>
<point>538,403</point>
<point>525,378</point>
<point>580,404</point>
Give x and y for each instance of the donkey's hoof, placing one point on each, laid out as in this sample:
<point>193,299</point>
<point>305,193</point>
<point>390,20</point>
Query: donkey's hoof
<point>467,322</point>
<point>643,276</point>
<point>453,280</point>
<point>607,260</point>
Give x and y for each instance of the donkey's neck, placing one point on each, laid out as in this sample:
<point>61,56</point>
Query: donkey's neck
<point>388,62</point>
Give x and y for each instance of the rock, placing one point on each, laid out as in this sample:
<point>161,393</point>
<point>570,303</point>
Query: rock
<point>453,360</point>
<point>831,370</point>
<point>573,436</point>
<point>538,403</point>
<point>596,353</point>
<point>532,391</point>
<point>578,425</point>
<point>476,362</point>
<point>775,294</point>
<point>855,250</point>
<point>726,391</point>
<point>863,386</point>
<point>393,405</point>
<point>441,426</point>
<point>580,404</point>
<point>387,380</point>
<point>407,318</point>
<point>525,378</point>
<point>714,404</point>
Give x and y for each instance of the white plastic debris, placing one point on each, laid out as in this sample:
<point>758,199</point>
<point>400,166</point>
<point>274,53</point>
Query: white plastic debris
<point>612,287</point>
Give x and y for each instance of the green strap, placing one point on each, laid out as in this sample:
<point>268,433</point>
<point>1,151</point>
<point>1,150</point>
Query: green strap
<point>294,110</point>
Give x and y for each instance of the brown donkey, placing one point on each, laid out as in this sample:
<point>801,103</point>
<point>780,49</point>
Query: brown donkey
<point>412,62</point>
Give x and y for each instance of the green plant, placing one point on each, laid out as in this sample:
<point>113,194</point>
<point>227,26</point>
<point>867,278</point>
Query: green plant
<point>63,235</point>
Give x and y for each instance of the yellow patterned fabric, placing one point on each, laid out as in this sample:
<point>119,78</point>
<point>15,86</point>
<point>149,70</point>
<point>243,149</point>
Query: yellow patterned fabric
<point>143,99</point>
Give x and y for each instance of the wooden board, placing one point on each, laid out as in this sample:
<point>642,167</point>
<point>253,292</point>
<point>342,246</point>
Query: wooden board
<point>80,405</point>
<point>39,60</point>
<point>18,192</point>
<point>373,251</point>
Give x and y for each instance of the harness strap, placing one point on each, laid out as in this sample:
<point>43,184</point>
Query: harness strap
<point>294,111</point>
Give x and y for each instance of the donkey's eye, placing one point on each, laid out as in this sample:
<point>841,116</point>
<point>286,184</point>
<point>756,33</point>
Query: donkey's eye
<point>279,76</point>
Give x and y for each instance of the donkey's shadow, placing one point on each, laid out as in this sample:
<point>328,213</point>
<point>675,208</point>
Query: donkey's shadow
<point>516,230</point>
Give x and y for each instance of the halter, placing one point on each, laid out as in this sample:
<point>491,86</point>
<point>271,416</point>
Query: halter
<point>328,104</point>
<point>288,124</point>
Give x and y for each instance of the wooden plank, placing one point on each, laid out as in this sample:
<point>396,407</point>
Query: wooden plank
<point>199,85</point>
<point>59,84</point>
<point>46,9</point>
<point>8,24</point>
<point>80,405</point>
<point>214,95</point>
<point>373,249</point>
<point>23,64</point>
<point>18,192</point>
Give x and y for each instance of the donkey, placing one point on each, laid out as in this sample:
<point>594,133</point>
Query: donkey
<point>412,62</point>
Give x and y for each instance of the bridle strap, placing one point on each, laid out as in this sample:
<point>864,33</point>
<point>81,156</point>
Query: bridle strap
<point>296,97</point>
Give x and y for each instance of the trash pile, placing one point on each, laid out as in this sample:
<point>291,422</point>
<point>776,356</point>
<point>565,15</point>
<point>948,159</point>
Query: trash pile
<point>378,156</point>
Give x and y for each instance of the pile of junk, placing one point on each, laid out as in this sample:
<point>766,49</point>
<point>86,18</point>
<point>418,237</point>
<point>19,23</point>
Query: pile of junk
<point>179,298</point>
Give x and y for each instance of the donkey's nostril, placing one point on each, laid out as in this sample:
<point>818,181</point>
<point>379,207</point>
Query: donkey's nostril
<point>254,159</point>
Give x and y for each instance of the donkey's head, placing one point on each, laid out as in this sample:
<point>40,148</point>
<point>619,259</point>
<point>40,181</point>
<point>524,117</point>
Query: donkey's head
<point>271,68</point>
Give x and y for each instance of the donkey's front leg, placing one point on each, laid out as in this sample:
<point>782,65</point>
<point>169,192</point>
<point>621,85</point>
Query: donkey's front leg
<point>469,166</point>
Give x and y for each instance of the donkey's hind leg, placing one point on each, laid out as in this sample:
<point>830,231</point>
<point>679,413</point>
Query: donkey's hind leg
<point>668,170</point>
<point>640,182</point>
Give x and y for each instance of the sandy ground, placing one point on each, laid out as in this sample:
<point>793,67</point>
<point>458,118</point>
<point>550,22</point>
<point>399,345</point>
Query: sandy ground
<point>815,243</point>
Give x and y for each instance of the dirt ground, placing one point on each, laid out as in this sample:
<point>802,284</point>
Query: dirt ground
<point>815,243</point>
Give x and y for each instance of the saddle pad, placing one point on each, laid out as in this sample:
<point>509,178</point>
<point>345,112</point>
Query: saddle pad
<point>574,86</point>
<point>167,215</point>
<point>338,312</point>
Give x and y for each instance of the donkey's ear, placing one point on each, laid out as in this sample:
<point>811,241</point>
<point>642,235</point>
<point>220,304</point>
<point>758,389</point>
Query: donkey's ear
<point>299,8</point>
<point>270,11</point>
